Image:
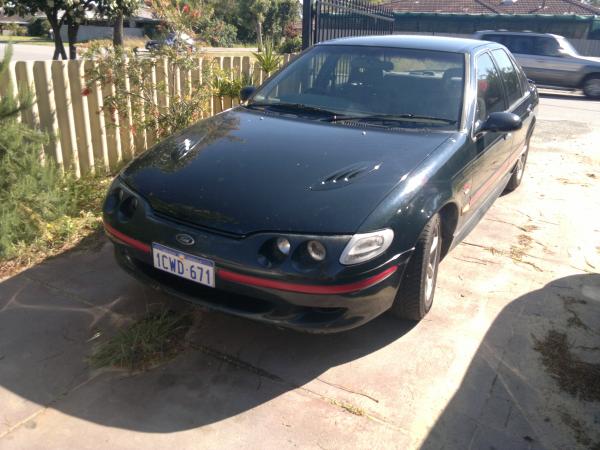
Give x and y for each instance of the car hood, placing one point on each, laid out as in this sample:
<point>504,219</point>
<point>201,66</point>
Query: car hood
<point>242,172</point>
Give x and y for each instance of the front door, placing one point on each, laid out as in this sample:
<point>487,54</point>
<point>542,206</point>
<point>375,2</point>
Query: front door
<point>492,148</point>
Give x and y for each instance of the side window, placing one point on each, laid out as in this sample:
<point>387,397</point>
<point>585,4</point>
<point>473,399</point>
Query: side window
<point>519,44</point>
<point>546,46</point>
<point>509,76</point>
<point>490,95</point>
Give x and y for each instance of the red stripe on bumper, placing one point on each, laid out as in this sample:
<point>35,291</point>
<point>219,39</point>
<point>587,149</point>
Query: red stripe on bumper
<point>306,288</point>
<point>126,239</point>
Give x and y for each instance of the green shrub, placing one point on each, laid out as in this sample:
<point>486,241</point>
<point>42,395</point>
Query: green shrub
<point>28,192</point>
<point>38,27</point>
<point>268,59</point>
<point>41,210</point>
<point>16,29</point>
<point>291,45</point>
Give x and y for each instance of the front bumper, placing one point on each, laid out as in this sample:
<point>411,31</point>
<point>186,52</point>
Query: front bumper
<point>250,282</point>
<point>349,304</point>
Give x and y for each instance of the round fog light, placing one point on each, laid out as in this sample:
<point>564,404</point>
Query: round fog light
<point>316,250</point>
<point>283,245</point>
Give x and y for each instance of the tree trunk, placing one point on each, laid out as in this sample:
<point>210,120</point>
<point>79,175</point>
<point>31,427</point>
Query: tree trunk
<point>118,30</point>
<point>59,48</point>
<point>259,36</point>
<point>72,30</point>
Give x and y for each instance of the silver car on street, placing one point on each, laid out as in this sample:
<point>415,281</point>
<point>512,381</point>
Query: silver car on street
<point>550,60</point>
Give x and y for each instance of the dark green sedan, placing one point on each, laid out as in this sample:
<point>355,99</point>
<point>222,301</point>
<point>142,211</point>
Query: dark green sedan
<point>332,194</point>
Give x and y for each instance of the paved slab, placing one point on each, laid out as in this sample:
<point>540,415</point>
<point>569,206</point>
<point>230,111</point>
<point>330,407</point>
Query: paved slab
<point>468,376</point>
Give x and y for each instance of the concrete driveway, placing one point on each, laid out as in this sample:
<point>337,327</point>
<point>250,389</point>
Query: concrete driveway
<point>473,374</point>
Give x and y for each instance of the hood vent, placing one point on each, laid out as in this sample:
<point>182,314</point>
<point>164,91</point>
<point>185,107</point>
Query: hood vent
<point>347,175</point>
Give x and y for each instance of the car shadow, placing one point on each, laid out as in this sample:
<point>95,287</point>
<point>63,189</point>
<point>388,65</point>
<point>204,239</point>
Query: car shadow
<point>523,389</point>
<point>53,314</point>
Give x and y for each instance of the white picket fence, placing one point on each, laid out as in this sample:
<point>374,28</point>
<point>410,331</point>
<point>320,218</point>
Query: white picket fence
<point>83,140</point>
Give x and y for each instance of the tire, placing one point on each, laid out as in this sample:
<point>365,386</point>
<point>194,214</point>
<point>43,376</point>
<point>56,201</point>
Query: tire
<point>591,86</point>
<point>415,295</point>
<point>518,171</point>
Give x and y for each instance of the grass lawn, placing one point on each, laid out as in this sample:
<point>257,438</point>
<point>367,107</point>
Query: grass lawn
<point>25,40</point>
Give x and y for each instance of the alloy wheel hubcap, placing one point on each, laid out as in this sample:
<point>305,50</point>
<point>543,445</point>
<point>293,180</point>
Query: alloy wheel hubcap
<point>432,263</point>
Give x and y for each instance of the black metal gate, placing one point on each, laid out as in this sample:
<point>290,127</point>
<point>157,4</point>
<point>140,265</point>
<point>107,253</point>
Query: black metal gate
<point>328,19</point>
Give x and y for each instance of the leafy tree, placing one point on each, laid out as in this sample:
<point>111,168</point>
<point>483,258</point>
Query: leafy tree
<point>49,7</point>
<point>196,17</point>
<point>116,10</point>
<point>73,10</point>
<point>280,17</point>
<point>255,11</point>
<point>38,27</point>
<point>275,18</point>
<point>74,15</point>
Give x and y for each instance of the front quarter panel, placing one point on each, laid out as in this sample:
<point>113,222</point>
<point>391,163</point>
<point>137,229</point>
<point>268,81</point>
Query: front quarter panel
<point>438,181</point>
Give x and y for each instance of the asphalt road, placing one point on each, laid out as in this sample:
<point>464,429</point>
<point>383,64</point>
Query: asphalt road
<point>474,374</point>
<point>29,52</point>
<point>559,105</point>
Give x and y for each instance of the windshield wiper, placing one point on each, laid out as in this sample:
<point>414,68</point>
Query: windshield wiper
<point>293,107</point>
<point>393,118</point>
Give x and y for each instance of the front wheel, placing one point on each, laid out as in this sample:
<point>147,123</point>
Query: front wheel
<point>415,295</point>
<point>591,87</point>
<point>518,171</point>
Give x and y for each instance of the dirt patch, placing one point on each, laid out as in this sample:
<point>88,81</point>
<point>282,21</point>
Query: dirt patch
<point>574,320</point>
<point>348,407</point>
<point>579,378</point>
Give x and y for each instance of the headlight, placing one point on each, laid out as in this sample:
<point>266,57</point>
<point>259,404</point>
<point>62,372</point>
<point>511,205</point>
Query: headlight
<point>365,246</point>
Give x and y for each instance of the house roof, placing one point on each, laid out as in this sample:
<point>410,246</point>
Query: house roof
<point>494,6</point>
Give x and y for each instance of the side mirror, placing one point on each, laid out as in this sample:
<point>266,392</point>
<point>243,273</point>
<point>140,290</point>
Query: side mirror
<point>246,92</point>
<point>502,121</point>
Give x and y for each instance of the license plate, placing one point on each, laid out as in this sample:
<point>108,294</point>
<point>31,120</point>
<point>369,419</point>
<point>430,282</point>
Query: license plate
<point>184,265</point>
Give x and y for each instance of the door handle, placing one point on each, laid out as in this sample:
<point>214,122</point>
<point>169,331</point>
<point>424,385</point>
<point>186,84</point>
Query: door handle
<point>529,108</point>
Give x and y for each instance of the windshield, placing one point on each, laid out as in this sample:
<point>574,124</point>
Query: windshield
<point>416,87</point>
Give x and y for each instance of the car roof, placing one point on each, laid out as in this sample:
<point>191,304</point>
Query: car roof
<point>520,33</point>
<point>439,43</point>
